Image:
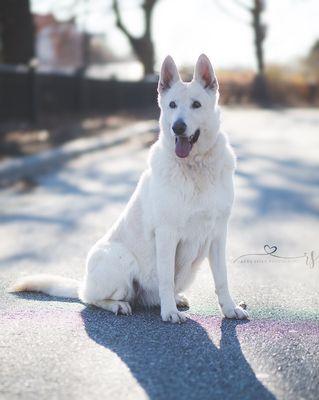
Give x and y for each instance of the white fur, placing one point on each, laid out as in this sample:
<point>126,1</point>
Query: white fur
<point>176,217</point>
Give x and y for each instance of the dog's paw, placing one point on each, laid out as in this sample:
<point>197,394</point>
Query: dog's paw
<point>174,316</point>
<point>181,301</point>
<point>123,308</point>
<point>235,312</point>
<point>115,306</point>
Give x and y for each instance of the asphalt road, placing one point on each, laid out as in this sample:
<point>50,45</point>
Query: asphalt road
<point>53,349</point>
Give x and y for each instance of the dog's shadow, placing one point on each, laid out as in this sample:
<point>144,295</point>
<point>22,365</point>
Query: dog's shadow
<point>177,361</point>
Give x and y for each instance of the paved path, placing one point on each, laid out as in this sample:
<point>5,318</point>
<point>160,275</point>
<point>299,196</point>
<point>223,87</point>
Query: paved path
<point>53,349</point>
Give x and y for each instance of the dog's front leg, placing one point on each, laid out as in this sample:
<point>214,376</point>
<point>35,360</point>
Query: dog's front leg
<point>217,261</point>
<point>166,243</point>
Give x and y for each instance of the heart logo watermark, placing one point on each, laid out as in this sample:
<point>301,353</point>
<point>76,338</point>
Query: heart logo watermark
<point>311,258</point>
<point>270,250</point>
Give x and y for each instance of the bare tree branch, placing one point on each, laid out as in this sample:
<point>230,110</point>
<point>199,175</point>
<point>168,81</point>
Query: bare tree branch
<point>226,11</point>
<point>119,22</point>
<point>259,28</point>
<point>142,46</point>
<point>242,5</point>
<point>148,6</point>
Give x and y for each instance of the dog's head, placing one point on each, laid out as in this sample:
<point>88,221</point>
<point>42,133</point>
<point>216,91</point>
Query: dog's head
<point>189,111</point>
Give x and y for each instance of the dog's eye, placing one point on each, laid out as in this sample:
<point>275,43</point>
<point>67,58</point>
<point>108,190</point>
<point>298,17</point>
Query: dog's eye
<point>172,104</point>
<point>196,104</point>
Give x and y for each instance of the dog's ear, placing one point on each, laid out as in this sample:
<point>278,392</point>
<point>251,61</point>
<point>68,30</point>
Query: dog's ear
<point>204,73</point>
<point>169,75</point>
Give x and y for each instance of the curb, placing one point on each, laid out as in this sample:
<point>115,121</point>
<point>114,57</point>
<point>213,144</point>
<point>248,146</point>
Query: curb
<point>26,167</point>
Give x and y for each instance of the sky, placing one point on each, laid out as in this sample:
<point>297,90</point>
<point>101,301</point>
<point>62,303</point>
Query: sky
<point>186,28</point>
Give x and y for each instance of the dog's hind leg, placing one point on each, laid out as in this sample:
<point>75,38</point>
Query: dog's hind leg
<point>185,271</point>
<point>183,278</point>
<point>108,282</point>
<point>181,300</point>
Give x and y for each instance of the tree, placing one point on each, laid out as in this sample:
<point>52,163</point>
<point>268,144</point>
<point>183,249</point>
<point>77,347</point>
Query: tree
<point>312,62</point>
<point>255,10</point>
<point>259,29</point>
<point>259,90</point>
<point>16,32</point>
<point>142,46</point>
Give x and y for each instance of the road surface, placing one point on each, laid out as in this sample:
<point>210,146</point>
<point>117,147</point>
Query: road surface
<point>59,349</point>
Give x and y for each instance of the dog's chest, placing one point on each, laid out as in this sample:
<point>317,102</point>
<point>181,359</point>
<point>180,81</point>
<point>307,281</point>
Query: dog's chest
<point>199,213</point>
<point>203,205</point>
<point>198,226</point>
<point>196,233</point>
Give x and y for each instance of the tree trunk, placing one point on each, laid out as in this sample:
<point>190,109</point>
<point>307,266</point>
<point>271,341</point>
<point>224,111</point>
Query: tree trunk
<point>17,33</point>
<point>143,46</point>
<point>259,35</point>
<point>260,88</point>
<point>144,50</point>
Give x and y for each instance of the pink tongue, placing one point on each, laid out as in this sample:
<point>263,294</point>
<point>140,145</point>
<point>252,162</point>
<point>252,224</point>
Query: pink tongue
<point>182,147</point>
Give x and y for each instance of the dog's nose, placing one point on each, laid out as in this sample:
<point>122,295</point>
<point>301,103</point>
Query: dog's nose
<point>179,127</point>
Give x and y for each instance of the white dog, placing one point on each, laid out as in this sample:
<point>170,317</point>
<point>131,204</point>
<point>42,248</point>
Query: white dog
<point>176,217</point>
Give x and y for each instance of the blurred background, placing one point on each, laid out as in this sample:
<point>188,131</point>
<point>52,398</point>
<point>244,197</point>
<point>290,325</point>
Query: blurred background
<point>78,111</point>
<point>62,61</point>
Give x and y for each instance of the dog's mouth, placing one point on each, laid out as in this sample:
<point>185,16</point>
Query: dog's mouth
<point>184,144</point>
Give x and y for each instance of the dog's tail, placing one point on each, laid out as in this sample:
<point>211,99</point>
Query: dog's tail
<point>52,285</point>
